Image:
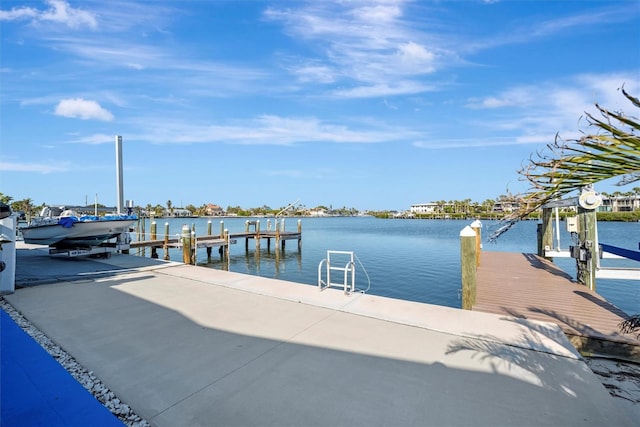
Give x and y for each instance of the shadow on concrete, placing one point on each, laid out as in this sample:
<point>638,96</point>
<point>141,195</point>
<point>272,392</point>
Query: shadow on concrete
<point>29,271</point>
<point>174,370</point>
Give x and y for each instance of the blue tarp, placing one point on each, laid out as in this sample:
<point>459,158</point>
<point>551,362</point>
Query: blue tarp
<point>35,390</point>
<point>67,221</point>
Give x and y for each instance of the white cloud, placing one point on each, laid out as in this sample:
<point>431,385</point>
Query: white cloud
<point>18,13</point>
<point>95,139</point>
<point>370,45</point>
<point>82,109</point>
<point>34,167</point>
<point>534,114</point>
<point>383,89</point>
<point>59,11</point>
<point>267,130</point>
<point>314,73</point>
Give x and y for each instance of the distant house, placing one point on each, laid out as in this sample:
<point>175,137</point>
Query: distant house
<point>317,212</point>
<point>620,203</point>
<point>420,208</point>
<point>179,212</point>
<point>214,210</point>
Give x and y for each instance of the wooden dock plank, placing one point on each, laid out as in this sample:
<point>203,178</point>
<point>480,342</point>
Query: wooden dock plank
<point>528,286</point>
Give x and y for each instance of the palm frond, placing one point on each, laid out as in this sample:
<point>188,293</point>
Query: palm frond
<point>613,151</point>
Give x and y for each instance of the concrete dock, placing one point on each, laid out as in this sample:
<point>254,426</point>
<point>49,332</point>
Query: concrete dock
<point>193,346</point>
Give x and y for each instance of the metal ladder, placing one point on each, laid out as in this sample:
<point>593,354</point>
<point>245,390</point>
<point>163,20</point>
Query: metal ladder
<point>350,267</point>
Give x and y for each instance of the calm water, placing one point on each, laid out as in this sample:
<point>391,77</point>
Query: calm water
<point>416,260</point>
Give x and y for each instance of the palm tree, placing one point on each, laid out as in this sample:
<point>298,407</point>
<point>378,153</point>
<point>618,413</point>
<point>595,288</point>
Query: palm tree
<point>612,152</point>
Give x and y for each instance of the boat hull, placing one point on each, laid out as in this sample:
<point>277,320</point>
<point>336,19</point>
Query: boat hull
<point>80,234</point>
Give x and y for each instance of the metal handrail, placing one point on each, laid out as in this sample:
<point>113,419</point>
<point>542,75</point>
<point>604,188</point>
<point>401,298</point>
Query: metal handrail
<point>350,267</point>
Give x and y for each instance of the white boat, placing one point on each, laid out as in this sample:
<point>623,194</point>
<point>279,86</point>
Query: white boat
<point>65,229</point>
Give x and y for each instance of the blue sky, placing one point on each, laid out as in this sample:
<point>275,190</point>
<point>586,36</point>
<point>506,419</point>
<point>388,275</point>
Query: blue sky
<point>366,104</point>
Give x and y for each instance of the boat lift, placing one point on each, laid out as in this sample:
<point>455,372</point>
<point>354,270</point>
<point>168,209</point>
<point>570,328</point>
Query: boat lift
<point>602,250</point>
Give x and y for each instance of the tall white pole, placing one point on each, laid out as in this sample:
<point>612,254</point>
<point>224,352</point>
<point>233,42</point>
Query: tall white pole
<point>120,192</point>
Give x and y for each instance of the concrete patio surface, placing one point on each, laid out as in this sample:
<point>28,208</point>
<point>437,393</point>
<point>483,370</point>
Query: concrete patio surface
<point>193,346</point>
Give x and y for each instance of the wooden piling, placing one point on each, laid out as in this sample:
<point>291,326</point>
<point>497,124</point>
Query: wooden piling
<point>194,244</point>
<point>154,250</point>
<point>468,267</point>
<point>165,246</point>
<point>186,244</point>
<point>477,228</point>
<point>588,265</point>
<point>545,232</point>
<point>227,244</point>
<point>209,234</point>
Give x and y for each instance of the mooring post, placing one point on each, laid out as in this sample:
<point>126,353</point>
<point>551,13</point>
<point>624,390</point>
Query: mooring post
<point>186,244</point>
<point>299,234</point>
<point>194,244</point>
<point>165,246</point>
<point>468,267</point>
<point>477,228</point>
<point>209,234</point>
<point>228,243</point>
<point>246,237</point>
<point>154,236</point>
<point>257,236</point>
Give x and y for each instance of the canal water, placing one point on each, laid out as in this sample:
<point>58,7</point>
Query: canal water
<point>415,260</point>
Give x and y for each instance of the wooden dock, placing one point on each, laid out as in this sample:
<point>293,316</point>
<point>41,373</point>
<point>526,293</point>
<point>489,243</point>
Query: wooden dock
<point>217,240</point>
<point>190,242</point>
<point>528,286</point>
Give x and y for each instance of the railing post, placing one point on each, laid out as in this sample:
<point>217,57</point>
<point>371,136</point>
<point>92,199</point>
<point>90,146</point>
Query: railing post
<point>468,267</point>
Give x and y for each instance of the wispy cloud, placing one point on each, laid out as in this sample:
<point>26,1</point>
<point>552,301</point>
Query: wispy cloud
<point>82,109</point>
<point>42,168</point>
<point>58,12</point>
<point>367,43</point>
<point>266,130</point>
<point>95,139</point>
<point>535,114</point>
<point>521,32</point>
